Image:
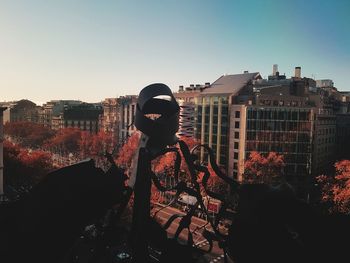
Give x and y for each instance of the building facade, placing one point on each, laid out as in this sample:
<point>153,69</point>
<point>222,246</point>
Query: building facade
<point>51,112</point>
<point>110,117</point>
<point>242,113</point>
<point>22,110</point>
<point>126,116</point>
<point>185,97</point>
<point>285,130</point>
<point>212,113</point>
<point>85,116</point>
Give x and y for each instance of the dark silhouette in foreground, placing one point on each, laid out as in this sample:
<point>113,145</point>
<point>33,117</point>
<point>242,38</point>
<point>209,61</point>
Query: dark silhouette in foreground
<point>271,224</point>
<point>42,226</point>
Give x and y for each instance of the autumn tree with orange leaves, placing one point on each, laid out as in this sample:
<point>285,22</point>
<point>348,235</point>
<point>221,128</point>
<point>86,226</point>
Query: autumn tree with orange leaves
<point>65,141</point>
<point>28,134</point>
<point>336,189</point>
<point>24,167</point>
<point>95,145</point>
<point>128,150</point>
<point>165,163</point>
<point>263,169</point>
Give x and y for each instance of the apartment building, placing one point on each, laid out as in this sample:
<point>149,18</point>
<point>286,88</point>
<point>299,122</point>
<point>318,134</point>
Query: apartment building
<point>110,117</point>
<point>51,112</point>
<point>126,116</point>
<point>291,116</point>
<point>185,97</point>
<point>22,110</point>
<point>85,116</point>
<point>212,113</point>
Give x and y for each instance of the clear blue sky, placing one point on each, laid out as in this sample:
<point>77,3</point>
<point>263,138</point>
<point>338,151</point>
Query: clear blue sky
<point>91,50</point>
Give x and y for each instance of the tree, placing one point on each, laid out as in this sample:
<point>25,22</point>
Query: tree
<point>65,141</point>
<point>95,145</point>
<point>24,167</point>
<point>261,169</point>
<point>336,189</point>
<point>28,134</point>
<point>214,183</point>
<point>128,150</point>
<point>165,163</point>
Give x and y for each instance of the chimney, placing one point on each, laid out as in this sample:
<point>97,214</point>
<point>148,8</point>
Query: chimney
<point>274,69</point>
<point>246,71</point>
<point>297,73</point>
<point>207,84</point>
<point>181,88</point>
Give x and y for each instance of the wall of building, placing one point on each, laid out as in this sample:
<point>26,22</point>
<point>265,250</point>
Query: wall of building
<point>110,118</point>
<point>127,111</point>
<point>287,131</point>
<point>237,139</point>
<point>212,126</point>
<point>1,152</point>
<point>84,116</point>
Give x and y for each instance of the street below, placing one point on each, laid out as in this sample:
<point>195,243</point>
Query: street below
<point>216,255</point>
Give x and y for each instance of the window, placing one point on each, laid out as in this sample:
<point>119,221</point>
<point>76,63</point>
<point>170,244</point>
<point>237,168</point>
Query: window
<point>236,145</point>
<point>235,165</point>
<point>235,174</point>
<point>235,156</point>
<point>237,124</point>
<point>236,135</point>
<point>237,114</point>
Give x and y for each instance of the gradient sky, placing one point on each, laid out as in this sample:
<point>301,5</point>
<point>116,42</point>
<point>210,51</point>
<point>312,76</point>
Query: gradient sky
<point>91,50</point>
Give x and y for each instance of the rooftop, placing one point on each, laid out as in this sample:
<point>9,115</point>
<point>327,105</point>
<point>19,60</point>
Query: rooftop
<point>231,84</point>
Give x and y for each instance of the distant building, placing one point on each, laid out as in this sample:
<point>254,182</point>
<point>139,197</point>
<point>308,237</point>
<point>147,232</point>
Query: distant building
<point>22,110</point>
<point>212,113</point>
<point>324,83</point>
<point>186,100</point>
<point>241,113</point>
<point>84,116</point>
<point>110,117</point>
<point>51,112</point>
<point>127,110</point>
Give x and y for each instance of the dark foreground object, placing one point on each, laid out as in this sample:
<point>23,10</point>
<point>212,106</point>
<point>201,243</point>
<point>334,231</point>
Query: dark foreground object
<point>43,226</point>
<point>271,225</point>
<point>274,226</point>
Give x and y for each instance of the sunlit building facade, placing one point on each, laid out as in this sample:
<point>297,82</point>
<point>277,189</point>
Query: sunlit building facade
<point>110,117</point>
<point>212,114</point>
<point>293,117</point>
<point>126,115</point>
<point>285,130</point>
<point>186,100</point>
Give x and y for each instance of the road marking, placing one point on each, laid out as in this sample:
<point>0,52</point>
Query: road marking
<point>192,223</point>
<point>217,259</point>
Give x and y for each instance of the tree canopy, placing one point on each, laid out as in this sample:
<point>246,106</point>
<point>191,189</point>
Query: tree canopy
<point>259,168</point>
<point>336,189</point>
<point>28,134</point>
<point>23,166</point>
